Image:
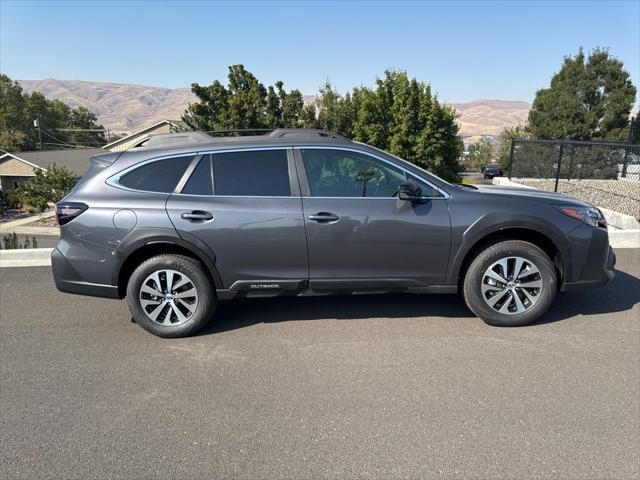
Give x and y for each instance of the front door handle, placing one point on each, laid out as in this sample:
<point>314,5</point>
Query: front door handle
<point>324,217</point>
<point>197,216</point>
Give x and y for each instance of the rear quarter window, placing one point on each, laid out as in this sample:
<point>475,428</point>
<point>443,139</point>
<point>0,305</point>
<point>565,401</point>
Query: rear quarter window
<point>160,176</point>
<point>201,180</point>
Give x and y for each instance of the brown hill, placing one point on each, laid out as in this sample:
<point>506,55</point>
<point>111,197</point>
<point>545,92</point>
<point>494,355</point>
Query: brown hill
<point>119,107</point>
<point>490,117</point>
<point>123,108</point>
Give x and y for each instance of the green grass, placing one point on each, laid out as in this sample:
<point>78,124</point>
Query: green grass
<point>467,181</point>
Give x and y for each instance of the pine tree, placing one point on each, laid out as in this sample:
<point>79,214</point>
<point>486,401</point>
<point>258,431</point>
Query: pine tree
<point>589,99</point>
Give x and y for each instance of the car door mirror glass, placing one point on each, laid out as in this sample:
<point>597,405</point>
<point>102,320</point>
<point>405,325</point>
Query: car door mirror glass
<point>409,191</point>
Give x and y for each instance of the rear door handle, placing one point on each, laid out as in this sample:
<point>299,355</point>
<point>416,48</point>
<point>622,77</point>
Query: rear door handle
<point>324,217</point>
<point>197,216</point>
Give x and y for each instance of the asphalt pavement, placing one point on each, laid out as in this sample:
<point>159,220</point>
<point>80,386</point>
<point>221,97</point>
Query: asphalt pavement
<point>396,386</point>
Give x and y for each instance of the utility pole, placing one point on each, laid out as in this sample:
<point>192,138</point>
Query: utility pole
<point>36,123</point>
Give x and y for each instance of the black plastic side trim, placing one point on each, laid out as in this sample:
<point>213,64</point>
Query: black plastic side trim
<point>142,237</point>
<point>271,285</point>
<point>228,294</point>
<point>352,284</point>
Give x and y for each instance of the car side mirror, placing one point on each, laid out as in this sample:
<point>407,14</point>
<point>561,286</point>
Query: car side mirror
<point>409,191</point>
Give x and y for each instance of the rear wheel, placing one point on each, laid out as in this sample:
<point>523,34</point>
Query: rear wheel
<point>511,283</point>
<point>171,296</point>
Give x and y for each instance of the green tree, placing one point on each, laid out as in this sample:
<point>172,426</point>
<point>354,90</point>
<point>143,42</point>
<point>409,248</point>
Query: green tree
<point>309,116</point>
<point>634,130</point>
<point>13,121</point>
<point>399,115</point>
<point>589,99</point>
<point>81,118</point>
<point>333,110</point>
<point>291,106</point>
<point>247,99</point>
<point>18,112</point>
<point>244,103</point>
<point>478,154</point>
<point>46,187</point>
<point>502,147</point>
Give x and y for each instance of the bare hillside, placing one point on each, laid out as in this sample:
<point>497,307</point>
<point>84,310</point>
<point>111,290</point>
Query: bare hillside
<point>119,107</point>
<point>490,117</point>
<point>123,108</point>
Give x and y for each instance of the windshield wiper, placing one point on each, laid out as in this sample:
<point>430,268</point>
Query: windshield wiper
<point>461,185</point>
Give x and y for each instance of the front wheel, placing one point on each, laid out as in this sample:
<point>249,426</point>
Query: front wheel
<point>509,284</point>
<point>171,296</point>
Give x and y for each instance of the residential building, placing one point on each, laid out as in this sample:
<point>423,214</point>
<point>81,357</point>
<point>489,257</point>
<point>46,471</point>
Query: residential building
<point>133,140</point>
<point>16,167</point>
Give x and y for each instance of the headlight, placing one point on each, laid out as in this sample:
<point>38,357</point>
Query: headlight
<point>589,215</point>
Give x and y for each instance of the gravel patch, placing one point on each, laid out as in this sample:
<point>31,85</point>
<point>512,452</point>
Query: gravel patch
<point>618,195</point>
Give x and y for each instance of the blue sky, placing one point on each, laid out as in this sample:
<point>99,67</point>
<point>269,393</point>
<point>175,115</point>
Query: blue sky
<point>467,50</point>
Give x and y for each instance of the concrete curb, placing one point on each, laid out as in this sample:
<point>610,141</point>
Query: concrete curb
<point>46,231</point>
<point>32,257</point>
<point>8,227</point>
<point>624,238</point>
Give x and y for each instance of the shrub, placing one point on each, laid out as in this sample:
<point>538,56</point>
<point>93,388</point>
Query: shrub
<point>45,188</point>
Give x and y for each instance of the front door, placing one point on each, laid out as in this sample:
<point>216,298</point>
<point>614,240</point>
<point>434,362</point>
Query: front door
<point>245,205</point>
<point>359,234</point>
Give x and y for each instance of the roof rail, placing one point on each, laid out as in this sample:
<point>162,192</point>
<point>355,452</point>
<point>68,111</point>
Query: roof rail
<point>165,140</point>
<point>239,131</point>
<point>180,139</point>
<point>304,133</point>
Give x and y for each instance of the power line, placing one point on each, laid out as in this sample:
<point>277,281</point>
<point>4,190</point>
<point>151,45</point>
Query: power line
<point>62,143</point>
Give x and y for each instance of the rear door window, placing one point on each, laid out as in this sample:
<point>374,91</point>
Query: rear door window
<point>159,176</point>
<point>259,173</point>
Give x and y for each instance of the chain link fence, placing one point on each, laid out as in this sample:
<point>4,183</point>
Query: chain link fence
<point>604,174</point>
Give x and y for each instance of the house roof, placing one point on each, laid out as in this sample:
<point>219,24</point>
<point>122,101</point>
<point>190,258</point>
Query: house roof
<point>179,125</point>
<point>75,160</point>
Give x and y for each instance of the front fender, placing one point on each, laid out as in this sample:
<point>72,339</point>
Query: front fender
<point>464,240</point>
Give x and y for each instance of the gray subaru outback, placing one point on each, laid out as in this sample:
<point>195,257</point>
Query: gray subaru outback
<point>182,221</point>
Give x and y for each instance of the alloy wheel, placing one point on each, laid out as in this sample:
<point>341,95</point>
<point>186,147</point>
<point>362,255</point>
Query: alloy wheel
<point>512,285</point>
<point>168,297</point>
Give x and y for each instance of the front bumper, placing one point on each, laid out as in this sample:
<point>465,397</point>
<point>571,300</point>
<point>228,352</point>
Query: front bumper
<point>68,280</point>
<point>599,266</point>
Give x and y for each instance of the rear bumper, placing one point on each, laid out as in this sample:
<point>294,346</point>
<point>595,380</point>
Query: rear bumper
<point>68,280</point>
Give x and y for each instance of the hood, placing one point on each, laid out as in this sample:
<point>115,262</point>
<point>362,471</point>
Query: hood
<point>531,193</point>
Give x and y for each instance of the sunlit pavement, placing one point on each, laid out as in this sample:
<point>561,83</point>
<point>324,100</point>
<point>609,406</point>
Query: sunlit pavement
<point>365,386</point>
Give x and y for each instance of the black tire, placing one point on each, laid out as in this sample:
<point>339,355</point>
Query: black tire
<point>194,270</point>
<point>474,276</point>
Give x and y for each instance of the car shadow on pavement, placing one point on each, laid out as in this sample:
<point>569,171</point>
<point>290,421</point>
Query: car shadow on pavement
<point>620,295</point>
<point>232,315</point>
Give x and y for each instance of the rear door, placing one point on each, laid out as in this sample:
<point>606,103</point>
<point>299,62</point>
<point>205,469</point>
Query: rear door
<point>246,206</point>
<point>359,233</point>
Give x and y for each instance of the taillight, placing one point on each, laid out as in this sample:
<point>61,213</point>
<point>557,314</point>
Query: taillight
<point>67,211</point>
